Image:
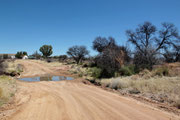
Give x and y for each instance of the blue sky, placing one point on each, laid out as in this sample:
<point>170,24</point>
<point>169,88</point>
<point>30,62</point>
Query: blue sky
<point>28,24</point>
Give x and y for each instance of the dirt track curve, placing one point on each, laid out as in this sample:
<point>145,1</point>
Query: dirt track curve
<point>71,100</point>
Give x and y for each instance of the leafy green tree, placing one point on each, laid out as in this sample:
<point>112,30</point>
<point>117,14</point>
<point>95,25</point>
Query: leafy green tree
<point>20,54</point>
<point>24,53</point>
<point>46,50</point>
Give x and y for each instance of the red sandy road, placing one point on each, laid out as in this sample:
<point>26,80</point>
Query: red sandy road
<point>71,100</point>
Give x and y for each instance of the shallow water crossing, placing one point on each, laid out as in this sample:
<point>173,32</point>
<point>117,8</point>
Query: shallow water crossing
<point>46,78</point>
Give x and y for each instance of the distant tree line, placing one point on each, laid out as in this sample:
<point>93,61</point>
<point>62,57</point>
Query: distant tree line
<point>20,54</point>
<point>151,46</point>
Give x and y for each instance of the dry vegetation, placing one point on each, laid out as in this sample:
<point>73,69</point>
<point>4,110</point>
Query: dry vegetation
<point>7,83</point>
<point>12,68</point>
<point>159,85</point>
<point>7,88</point>
<point>162,84</point>
<point>162,89</point>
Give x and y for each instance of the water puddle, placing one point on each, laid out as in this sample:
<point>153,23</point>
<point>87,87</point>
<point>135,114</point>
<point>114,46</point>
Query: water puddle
<point>46,78</point>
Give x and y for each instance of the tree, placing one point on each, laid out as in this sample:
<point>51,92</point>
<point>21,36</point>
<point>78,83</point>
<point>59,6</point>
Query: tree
<point>24,53</point>
<point>62,58</point>
<point>78,53</point>
<point>172,55</point>
<point>20,54</point>
<point>149,42</point>
<point>111,56</point>
<point>143,62</point>
<point>100,43</point>
<point>177,53</point>
<point>36,55</point>
<point>46,50</point>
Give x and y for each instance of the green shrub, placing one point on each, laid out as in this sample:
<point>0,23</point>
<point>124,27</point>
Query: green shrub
<point>162,71</point>
<point>127,70</point>
<point>96,72</point>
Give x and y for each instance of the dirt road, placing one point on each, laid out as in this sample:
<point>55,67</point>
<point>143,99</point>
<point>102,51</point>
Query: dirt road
<point>37,68</point>
<point>71,100</point>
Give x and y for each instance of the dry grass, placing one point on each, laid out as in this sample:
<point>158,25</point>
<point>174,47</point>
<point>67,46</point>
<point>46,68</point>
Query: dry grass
<point>78,69</point>
<point>7,88</point>
<point>11,66</point>
<point>163,89</point>
<point>173,68</point>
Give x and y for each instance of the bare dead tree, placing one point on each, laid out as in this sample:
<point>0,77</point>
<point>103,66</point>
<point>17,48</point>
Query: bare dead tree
<point>174,54</point>
<point>177,53</point>
<point>77,53</point>
<point>148,41</point>
<point>168,35</point>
